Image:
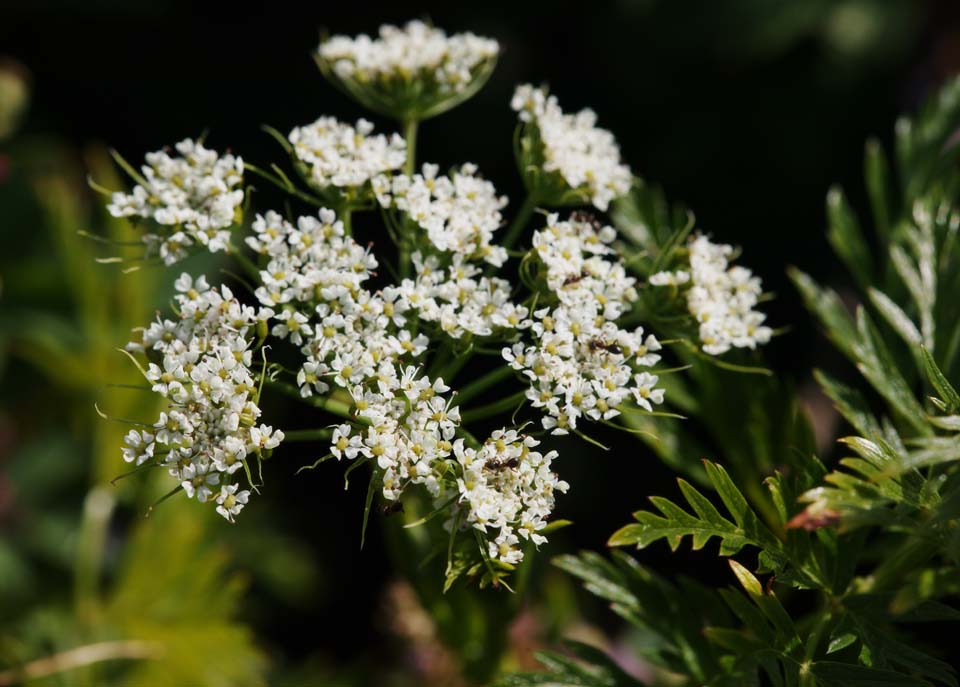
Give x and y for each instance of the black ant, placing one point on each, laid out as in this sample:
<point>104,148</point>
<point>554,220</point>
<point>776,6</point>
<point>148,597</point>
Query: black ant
<point>597,344</point>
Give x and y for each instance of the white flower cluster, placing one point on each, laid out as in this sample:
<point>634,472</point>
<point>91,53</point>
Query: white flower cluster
<point>587,157</point>
<point>459,212</point>
<point>341,155</point>
<point>507,486</point>
<point>358,343</point>
<point>209,428</point>
<point>581,363</point>
<point>460,300</point>
<point>416,52</point>
<point>720,297</point>
<point>198,193</point>
<point>355,340</point>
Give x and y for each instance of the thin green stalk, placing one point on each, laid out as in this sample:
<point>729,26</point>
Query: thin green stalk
<point>345,217</point>
<point>410,136</point>
<point>308,434</point>
<point>246,263</point>
<point>403,248</point>
<point>480,385</point>
<point>503,405</point>
<point>440,359</point>
<point>454,366</point>
<point>331,405</point>
<point>284,186</point>
<point>520,221</point>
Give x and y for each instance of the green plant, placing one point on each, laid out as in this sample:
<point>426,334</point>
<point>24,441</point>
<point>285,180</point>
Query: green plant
<point>850,561</point>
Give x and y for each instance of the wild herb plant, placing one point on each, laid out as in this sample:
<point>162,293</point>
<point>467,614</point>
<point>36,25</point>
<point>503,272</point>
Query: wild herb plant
<point>833,572</point>
<point>375,334</point>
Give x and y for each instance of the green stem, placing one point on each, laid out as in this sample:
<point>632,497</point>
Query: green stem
<point>331,405</point>
<point>480,385</point>
<point>279,183</point>
<point>345,217</point>
<point>495,408</point>
<point>821,625</point>
<point>452,368</point>
<point>519,221</point>
<point>403,249</point>
<point>440,359</point>
<point>410,136</point>
<point>308,434</point>
<point>246,263</point>
<point>468,438</point>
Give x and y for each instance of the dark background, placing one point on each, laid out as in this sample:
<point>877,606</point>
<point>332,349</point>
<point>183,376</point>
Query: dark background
<point>745,110</point>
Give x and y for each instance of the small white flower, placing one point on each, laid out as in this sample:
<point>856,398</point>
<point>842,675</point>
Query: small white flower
<point>230,501</point>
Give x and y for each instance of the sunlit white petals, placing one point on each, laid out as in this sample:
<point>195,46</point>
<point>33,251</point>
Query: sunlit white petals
<point>344,155</point>
<point>584,155</point>
<point>415,52</point>
<point>193,198</point>
<point>459,212</point>
<point>506,490</point>
<point>721,298</point>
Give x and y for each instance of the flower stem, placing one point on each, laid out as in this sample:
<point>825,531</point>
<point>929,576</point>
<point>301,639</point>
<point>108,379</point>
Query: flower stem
<point>283,185</point>
<point>403,249</point>
<point>331,405</point>
<point>410,136</point>
<point>246,263</point>
<point>519,221</point>
<point>480,385</point>
<point>308,434</point>
<point>495,408</point>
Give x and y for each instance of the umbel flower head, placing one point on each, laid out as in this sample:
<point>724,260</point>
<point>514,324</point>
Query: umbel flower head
<point>566,159</point>
<point>208,430</point>
<point>192,198</point>
<point>459,212</point>
<point>340,159</point>
<point>721,298</point>
<point>410,73</point>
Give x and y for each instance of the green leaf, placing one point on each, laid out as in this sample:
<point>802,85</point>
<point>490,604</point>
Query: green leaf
<point>939,382</point>
<point>826,306</point>
<point>851,404</point>
<point>896,318</point>
<point>705,523</point>
<point>833,674</point>
<point>879,368</point>
<point>846,237</point>
<point>841,642</point>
